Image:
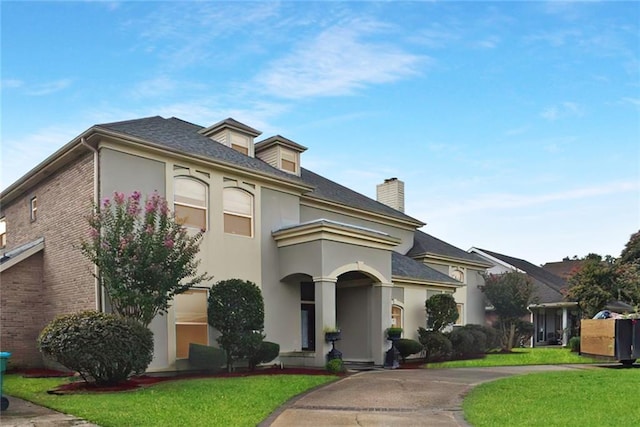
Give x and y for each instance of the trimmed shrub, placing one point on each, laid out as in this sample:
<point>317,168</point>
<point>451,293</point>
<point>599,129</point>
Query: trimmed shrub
<point>491,338</point>
<point>335,366</point>
<point>461,342</point>
<point>407,347</point>
<point>266,353</point>
<point>441,310</point>
<point>574,344</point>
<point>101,347</point>
<point>436,345</point>
<point>206,357</point>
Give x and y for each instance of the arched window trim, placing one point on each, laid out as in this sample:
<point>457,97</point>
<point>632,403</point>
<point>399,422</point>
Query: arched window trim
<point>204,207</point>
<point>401,317</point>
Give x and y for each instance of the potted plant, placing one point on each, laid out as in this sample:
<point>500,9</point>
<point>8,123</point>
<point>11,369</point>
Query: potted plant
<point>394,333</point>
<point>331,333</point>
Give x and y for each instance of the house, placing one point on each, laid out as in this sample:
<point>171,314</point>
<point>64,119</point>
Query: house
<point>322,253</point>
<point>565,268</point>
<point>552,316</point>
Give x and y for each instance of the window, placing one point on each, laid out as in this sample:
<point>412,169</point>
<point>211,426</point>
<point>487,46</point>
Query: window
<point>33,208</point>
<point>238,212</point>
<point>191,320</point>
<point>396,316</point>
<point>190,202</point>
<point>240,143</point>
<point>3,232</point>
<point>288,161</point>
<point>460,320</point>
<point>458,275</point>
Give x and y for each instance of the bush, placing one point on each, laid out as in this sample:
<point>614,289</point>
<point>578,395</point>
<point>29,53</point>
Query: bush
<point>335,366</point>
<point>206,357</point>
<point>101,347</point>
<point>236,309</point>
<point>461,342</point>
<point>491,337</point>
<point>441,310</point>
<point>407,347</point>
<point>266,353</point>
<point>574,344</point>
<point>436,345</point>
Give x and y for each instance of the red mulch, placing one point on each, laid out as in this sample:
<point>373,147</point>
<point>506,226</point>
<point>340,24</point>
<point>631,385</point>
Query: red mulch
<point>41,373</point>
<point>148,380</point>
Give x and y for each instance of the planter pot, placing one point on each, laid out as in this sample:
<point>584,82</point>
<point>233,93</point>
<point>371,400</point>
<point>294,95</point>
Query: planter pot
<point>332,336</point>
<point>394,335</point>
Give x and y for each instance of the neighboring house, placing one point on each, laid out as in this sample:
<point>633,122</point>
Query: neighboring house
<point>552,316</point>
<point>565,268</point>
<point>321,253</point>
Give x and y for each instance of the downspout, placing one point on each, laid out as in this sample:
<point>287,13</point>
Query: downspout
<point>96,201</point>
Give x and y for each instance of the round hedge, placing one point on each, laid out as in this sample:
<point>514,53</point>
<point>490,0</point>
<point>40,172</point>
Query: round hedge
<point>407,347</point>
<point>102,348</point>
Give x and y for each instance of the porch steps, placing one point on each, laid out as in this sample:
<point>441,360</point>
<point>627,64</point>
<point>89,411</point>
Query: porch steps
<point>361,366</point>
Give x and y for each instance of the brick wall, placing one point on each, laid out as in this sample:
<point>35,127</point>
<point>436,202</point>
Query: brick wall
<point>63,201</point>
<point>20,321</point>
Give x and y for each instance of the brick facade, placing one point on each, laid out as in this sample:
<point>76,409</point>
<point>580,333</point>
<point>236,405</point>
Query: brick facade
<point>63,200</point>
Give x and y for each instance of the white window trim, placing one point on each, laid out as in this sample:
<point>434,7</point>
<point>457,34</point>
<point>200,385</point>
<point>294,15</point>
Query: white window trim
<point>33,208</point>
<point>205,208</point>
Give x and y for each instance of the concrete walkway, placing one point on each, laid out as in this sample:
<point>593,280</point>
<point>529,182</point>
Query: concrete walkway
<point>26,414</point>
<point>400,397</point>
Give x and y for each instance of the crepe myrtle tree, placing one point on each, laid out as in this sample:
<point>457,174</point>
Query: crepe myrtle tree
<point>144,256</point>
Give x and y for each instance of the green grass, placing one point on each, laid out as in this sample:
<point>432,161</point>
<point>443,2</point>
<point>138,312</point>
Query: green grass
<point>586,397</point>
<point>196,402</point>
<point>520,356</point>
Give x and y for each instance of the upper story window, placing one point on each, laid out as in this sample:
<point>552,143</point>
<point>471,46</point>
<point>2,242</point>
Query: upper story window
<point>458,275</point>
<point>238,212</point>
<point>33,208</point>
<point>3,232</point>
<point>190,202</point>
<point>240,143</point>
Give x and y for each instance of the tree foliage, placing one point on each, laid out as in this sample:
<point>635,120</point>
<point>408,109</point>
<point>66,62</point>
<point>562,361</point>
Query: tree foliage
<point>602,280</point>
<point>144,257</point>
<point>510,294</point>
<point>441,311</point>
<point>236,310</point>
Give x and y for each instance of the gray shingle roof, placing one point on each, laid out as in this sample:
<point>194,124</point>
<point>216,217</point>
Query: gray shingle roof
<point>328,190</point>
<point>424,243</point>
<point>403,266</point>
<point>548,287</point>
<point>183,136</point>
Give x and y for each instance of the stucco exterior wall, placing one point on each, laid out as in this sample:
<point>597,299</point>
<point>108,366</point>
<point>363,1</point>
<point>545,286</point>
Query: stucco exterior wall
<point>281,300</point>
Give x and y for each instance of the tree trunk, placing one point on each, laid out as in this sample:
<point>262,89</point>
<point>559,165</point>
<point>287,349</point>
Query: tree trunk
<point>512,333</point>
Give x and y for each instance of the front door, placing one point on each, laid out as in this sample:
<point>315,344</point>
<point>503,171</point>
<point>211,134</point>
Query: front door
<point>308,323</point>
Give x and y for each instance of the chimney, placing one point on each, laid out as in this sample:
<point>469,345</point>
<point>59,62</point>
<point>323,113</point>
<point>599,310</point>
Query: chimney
<point>391,193</point>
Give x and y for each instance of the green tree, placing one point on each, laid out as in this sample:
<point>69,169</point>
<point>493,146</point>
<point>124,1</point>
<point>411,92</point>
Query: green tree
<point>236,310</point>
<point>441,311</point>
<point>593,285</point>
<point>144,257</point>
<point>510,294</point>
<point>627,269</point>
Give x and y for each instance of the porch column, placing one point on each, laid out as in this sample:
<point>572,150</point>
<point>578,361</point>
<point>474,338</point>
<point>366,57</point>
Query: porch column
<point>565,326</point>
<point>325,294</point>
<point>380,320</point>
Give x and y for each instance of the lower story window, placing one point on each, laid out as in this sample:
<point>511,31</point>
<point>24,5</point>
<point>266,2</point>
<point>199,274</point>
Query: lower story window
<point>191,320</point>
<point>396,316</point>
<point>460,320</point>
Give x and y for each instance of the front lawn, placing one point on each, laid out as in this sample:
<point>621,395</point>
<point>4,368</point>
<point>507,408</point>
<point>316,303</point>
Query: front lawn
<point>520,356</point>
<point>243,401</point>
<point>585,397</point>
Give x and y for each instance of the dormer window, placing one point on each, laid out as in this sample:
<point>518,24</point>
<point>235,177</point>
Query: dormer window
<point>281,153</point>
<point>233,134</point>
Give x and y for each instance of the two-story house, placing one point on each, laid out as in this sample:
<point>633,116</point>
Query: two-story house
<point>322,254</point>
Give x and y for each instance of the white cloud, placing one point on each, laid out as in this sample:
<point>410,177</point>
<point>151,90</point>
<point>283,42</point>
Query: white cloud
<point>337,62</point>
<point>11,83</point>
<point>561,111</point>
<point>49,87</point>
<point>490,42</point>
<point>633,101</point>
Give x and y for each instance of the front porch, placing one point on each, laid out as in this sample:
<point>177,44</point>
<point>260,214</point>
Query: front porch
<point>554,323</point>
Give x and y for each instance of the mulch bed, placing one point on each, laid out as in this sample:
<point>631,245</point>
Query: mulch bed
<point>137,382</point>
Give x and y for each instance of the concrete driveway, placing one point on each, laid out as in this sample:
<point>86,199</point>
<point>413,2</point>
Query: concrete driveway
<point>398,397</point>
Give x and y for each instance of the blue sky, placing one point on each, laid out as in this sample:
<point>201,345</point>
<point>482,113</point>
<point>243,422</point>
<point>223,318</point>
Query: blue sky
<point>515,125</point>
